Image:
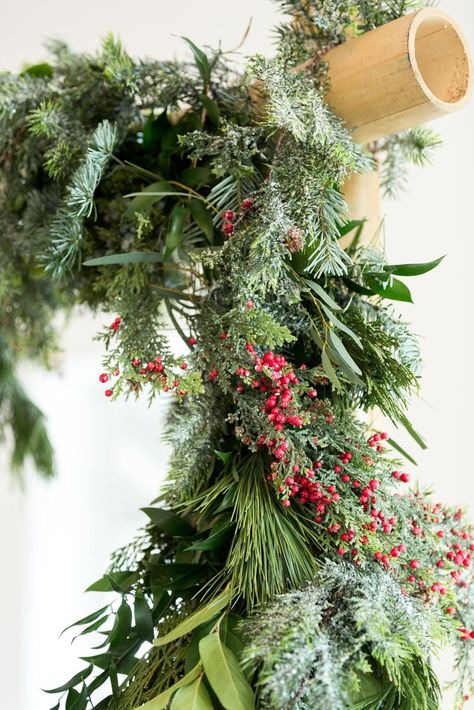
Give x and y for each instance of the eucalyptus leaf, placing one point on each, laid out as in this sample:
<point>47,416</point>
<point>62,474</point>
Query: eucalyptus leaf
<point>225,675</point>
<point>339,346</point>
<point>329,370</point>
<point>323,295</point>
<point>342,326</point>
<point>200,616</point>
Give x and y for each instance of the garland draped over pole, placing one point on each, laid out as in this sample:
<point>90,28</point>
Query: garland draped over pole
<point>287,563</point>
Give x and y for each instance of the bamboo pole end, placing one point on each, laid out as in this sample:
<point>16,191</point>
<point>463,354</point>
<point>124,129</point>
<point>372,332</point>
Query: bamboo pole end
<point>440,59</point>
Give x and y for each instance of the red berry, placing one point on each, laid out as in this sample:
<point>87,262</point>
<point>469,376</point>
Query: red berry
<point>414,564</point>
<point>404,477</point>
<point>192,341</point>
<point>103,377</point>
<point>229,215</point>
<point>108,393</point>
<point>228,228</point>
<point>184,366</point>
<point>247,203</point>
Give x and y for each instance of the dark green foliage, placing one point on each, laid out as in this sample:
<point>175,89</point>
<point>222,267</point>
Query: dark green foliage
<point>22,424</point>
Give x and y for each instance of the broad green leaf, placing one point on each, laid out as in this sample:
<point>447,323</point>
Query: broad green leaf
<point>78,678</point>
<point>131,257</point>
<point>214,540</point>
<point>175,232</point>
<point>339,346</point>
<point>177,575</point>
<point>101,660</point>
<point>349,226</point>
<point>227,501</point>
<point>123,579</point>
<point>79,701</point>
<point>39,71</point>
<point>86,619</point>
<point>395,290</point>
<point>192,697</point>
<point>224,456</point>
<point>329,370</point>
<point>342,326</point>
<point>72,699</point>
<point>230,635</point>
<point>323,295</point>
<point>143,618</point>
<point>402,451</point>
<point>192,653</point>
<point>196,176</point>
<point>151,194</point>
<point>161,701</point>
<point>202,217</point>
<point>201,60</point>
<point>412,269</point>
<point>225,675</point>
<point>169,522</point>
<point>122,625</point>
<point>357,288</point>
<point>212,109</point>
<point>200,616</point>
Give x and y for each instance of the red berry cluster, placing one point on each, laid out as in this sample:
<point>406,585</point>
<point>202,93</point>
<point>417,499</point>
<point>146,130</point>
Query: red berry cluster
<point>466,635</point>
<point>115,325</point>
<point>152,372</point>
<point>230,216</point>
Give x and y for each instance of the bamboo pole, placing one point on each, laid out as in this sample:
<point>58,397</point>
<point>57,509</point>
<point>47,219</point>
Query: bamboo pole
<point>412,70</point>
<point>397,76</point>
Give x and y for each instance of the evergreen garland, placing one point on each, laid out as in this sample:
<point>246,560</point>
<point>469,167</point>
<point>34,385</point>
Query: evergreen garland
<point>285,565</point>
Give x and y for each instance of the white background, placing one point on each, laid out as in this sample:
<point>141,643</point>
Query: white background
<point>56,537</point>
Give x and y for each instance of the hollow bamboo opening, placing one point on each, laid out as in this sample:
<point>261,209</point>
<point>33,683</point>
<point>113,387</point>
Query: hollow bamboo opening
<point>400,75</point>
<point>440,57</point>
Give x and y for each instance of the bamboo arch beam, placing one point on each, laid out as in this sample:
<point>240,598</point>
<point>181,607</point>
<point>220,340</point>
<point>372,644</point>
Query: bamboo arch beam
<point>410,71</point>
<point>407,72</point>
